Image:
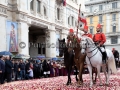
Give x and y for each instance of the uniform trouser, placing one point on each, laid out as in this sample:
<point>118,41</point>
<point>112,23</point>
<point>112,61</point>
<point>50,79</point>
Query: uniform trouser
<point>117,63</point>
<point>104,54</point>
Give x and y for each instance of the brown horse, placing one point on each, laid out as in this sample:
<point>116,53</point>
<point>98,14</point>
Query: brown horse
<point>79,60</point>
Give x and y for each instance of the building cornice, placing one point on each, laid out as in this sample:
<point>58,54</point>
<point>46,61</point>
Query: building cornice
<point>3,10</point>
<point>88,3</point>
<point>103,12</point>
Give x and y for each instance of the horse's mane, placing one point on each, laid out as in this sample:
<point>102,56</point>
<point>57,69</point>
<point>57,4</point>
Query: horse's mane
<point>88,39</point>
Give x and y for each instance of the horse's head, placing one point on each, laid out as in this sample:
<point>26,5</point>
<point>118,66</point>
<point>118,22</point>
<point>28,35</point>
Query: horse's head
<point>62,46</point>
<point>86,42</point>
<point>83,44</point>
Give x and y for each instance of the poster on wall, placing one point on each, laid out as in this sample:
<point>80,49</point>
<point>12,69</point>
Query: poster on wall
<point>57,44</point>
<point>12,36</point>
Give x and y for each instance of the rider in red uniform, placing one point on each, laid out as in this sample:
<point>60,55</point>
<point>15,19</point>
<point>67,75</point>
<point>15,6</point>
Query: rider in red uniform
<point>70,36</point>
<point>86,33</point>
<point>99,38</point>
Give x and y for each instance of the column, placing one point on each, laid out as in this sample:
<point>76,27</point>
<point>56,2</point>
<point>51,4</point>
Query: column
<point>108,23</point>
<point>3,34</point>
<point>35,7</point>
<point>23,39</point>
<point>65,18</point>
<point>119,22</point>
<point>51,44</point>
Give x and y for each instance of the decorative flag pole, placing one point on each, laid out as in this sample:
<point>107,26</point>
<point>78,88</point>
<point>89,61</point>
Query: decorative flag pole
<point>78,19</point>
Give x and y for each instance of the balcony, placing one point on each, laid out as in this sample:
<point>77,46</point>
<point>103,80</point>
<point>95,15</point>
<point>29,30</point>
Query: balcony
<point>112,34</point>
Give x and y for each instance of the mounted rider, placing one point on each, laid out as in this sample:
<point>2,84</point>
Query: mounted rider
<point>70,36</point>
<point>86,33</point>
<point>99,38</point>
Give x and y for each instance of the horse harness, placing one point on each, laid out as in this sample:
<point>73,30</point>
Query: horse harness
<point>90,52</point>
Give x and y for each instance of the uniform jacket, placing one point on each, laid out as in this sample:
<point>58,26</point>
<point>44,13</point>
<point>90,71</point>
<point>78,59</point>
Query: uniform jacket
<point>99,38</point>
<point>88,35</point>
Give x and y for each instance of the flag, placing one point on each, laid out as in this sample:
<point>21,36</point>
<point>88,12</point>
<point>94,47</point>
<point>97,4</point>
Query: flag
<point>64,2</point>
<point>81,19</point>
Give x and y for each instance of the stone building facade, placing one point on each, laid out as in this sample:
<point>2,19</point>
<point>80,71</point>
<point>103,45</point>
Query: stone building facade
<point>107,13</point>
<point>38,22</point>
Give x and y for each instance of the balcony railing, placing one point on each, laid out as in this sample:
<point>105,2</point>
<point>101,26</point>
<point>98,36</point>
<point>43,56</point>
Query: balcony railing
<point>113,34</point>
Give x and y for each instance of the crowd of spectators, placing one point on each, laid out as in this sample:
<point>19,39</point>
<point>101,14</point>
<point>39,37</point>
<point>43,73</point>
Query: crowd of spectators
<point>18,69</point>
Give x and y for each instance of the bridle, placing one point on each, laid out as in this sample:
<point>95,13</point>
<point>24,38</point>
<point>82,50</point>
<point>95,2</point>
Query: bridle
<point>87,43</point>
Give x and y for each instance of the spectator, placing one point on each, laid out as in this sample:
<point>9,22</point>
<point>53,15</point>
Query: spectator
<point>2,69</point>
<point>22,69</point>
<point>30,74</point>
<point>116,56</point>
<point>16,70</point>
<point>8,68</point>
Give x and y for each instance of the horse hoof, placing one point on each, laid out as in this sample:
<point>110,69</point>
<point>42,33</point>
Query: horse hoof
<point>90,86</point>
<point>94,82</point>
<point>80,83</point>
<point>107,84</point>
<point>67,84</point>
<point>100,84</point>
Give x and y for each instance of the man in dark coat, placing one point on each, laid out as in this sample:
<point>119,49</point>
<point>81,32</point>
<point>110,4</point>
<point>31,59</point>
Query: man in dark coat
<point>2,69</point>
<point>116,56</point>
<point>22,69</point>
<point>8,68</point>
<point>16,68</point>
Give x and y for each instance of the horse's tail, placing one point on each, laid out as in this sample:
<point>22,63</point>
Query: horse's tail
<point>112,66</point>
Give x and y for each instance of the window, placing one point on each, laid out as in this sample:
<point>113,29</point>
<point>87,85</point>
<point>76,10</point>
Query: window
<point>114,28</point>
<point>58,13</point>
<point>114,40</point>
<point>114,17</point>
<point>91,9</point>
<point>32,5</point>
<point>41,49</point>
<point>72,20</point>
<point>38,6</point>
<point>45,11</point>
<point>91,20</point>
<point>100,19</point>
<point>100,7</point>
<point>68,20</point>
<point>114,5</point>
<point>91,30</point>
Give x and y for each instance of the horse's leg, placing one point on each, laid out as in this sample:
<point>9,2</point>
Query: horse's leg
<point>76,70</point>
<point>98,71</point>
<point>104,70</point>
<point>80,73</point>
<point>68,76</point>
<point>108,75</point>
<point>90,72</point>
<point>70,70</point>
<point>95,74</point>
<point>92,75</point>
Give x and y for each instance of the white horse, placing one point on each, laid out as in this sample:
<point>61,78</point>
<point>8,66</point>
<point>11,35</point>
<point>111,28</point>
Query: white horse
<point>94,58</point>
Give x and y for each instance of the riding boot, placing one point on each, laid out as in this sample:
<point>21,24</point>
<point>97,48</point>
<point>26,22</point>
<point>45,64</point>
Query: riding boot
<point>104,57</point>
